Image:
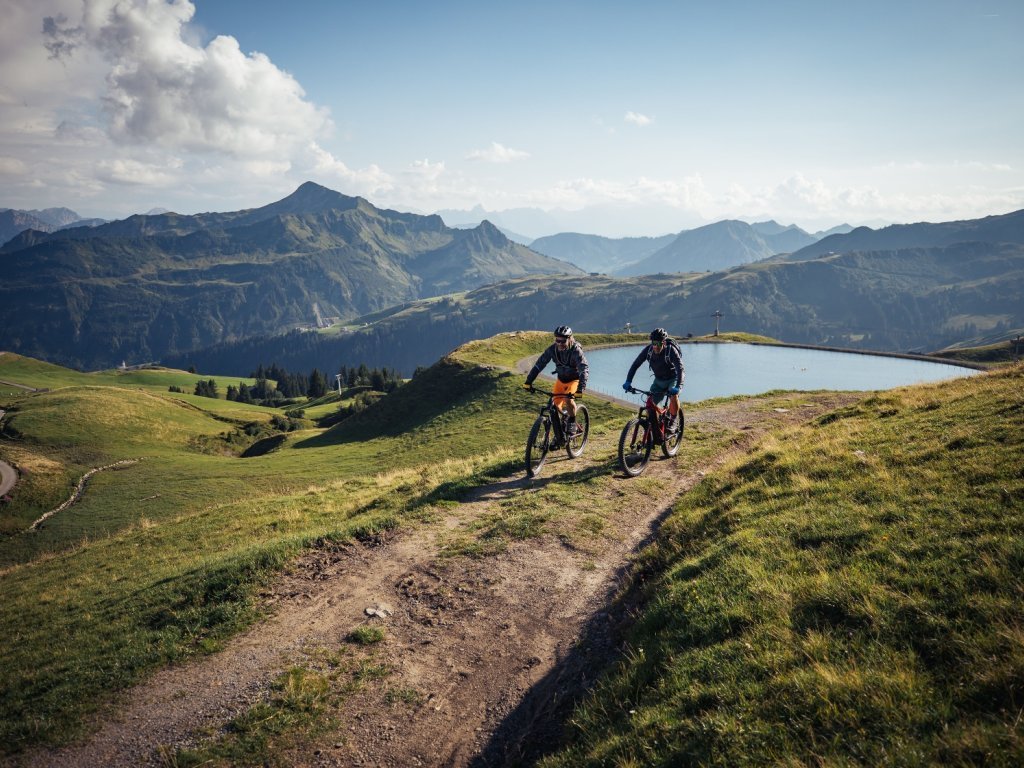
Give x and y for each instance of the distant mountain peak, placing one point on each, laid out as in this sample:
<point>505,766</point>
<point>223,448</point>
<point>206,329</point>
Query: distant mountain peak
<point>486,227</point>
<point>310,197</point>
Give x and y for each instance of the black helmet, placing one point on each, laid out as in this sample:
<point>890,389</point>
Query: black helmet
<point>563,330</point>
<point>659,334</point>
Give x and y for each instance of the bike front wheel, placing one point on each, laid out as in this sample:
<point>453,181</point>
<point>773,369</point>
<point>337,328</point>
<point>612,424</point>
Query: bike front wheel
<point>670,446</point>
<point>634,447</point>
<point>574,445</point>
<point>537,445</point>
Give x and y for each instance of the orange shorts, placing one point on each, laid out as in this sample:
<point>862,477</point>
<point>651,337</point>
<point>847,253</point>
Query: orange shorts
<point>564,388</point>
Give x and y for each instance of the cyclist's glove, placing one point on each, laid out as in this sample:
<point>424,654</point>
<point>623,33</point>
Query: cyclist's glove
<point>673,390</point>
<point>627,385</point>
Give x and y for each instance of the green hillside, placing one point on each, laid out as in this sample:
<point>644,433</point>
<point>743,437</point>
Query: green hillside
<point>858,603</point>
<point>37,374</point>
<point>162,559</point>
<point>1001,353</point>
<point>855,604</point>
<point>1003,228</point>
<point>149,286</point>
<point>907,300</point>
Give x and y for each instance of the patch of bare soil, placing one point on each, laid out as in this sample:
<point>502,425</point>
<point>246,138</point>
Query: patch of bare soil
<point>495,648</point>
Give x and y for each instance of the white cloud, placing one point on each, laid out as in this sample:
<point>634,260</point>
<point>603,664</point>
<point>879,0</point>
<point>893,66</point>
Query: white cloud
<point>638,119</point>
<point>163,89</point>
<point>426,170</point>
<point>688,194</point>
<point>135,172</point>
<point>497,153</point>
<point>11,166</point>
<point>814,203</point>
<point>105,93</point>
<point>368,181</point>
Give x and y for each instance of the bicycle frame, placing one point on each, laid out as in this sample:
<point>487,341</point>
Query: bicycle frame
<point>655,413</point>
<point>548,410</point>
<point>645,430</point>
<point>551,431</point>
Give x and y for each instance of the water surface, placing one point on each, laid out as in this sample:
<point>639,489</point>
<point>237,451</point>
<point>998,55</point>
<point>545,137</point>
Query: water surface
<point>724,370</point>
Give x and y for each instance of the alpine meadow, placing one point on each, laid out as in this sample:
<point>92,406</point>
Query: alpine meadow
<point>284,483</point>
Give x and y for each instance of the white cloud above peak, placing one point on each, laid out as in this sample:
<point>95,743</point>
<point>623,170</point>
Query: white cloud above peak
<point>497,153</point>
<point>163,89</point>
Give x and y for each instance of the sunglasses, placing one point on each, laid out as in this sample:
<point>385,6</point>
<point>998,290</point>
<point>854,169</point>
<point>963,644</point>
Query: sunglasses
<point>657,343</point>
<point>561,340</point>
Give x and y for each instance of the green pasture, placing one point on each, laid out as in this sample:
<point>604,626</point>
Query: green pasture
<point>40,375</point>
<point>161,559</point>
<point>854,603</point>
<point>992,355</point>
<point>849,592</point>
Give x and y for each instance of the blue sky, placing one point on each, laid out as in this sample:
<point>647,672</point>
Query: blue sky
<point>618,119</point>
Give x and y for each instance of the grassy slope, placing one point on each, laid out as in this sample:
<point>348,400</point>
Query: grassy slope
<point>800,606</point>
<point>36,373</point>
<point>859,603</point>
<point>162,560</point>
<point>1001,353</point>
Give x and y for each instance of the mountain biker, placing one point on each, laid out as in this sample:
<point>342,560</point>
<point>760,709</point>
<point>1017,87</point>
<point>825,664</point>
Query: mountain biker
<point>571,368</point>
<point>666,363</point>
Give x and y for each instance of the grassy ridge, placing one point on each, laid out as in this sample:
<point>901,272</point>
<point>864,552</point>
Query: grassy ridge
<point>1000,353</point>
<point>41,375</point>
<point>163,560</point>
<point>858,603</point>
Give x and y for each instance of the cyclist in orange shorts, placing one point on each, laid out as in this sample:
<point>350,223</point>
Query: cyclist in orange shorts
<point>571,369</point>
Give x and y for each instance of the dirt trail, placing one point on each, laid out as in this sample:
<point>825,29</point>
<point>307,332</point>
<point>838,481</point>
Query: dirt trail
<point>495,647</point>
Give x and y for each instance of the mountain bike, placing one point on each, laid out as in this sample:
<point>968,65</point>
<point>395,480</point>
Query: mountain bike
<point>550,432</point>
<point>648,428</point>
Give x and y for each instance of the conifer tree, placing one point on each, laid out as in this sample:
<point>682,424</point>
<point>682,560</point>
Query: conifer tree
<point>317,384</point>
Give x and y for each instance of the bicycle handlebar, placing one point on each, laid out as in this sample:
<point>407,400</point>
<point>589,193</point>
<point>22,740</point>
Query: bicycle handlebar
<point>570,395</point>
<point>635,391</point>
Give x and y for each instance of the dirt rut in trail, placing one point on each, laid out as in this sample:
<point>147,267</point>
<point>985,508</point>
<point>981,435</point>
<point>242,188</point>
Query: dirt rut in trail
<point>495,649</point>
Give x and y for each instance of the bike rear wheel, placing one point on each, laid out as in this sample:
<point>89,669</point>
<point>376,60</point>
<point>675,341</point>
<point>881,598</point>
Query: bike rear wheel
<point>635,444</point>
<point>574,445</point>
<point>670,446</point>
<point>537,445</point>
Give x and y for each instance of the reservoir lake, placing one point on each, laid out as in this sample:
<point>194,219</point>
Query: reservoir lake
<point>724,370</point>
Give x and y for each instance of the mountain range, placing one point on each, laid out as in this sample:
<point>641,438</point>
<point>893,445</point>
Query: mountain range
<point>712,247</point>
<point>1005,228</point>
<point>13,221</point>
<point>148,286</point>
<point>892,298</point>
<point>599,254</point>
<point>401,289</point>
<point>620,218</point>
<point>719,246</point>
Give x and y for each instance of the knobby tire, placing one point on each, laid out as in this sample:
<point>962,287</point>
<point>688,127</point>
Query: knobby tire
<point>670,446</point>
<point>635,445</point>
<point>575,446</point>
<point>537,445</point>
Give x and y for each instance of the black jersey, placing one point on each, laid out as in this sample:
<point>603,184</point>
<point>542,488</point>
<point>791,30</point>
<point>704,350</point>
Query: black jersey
<point>570,364</point>
<point>666,364</point>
